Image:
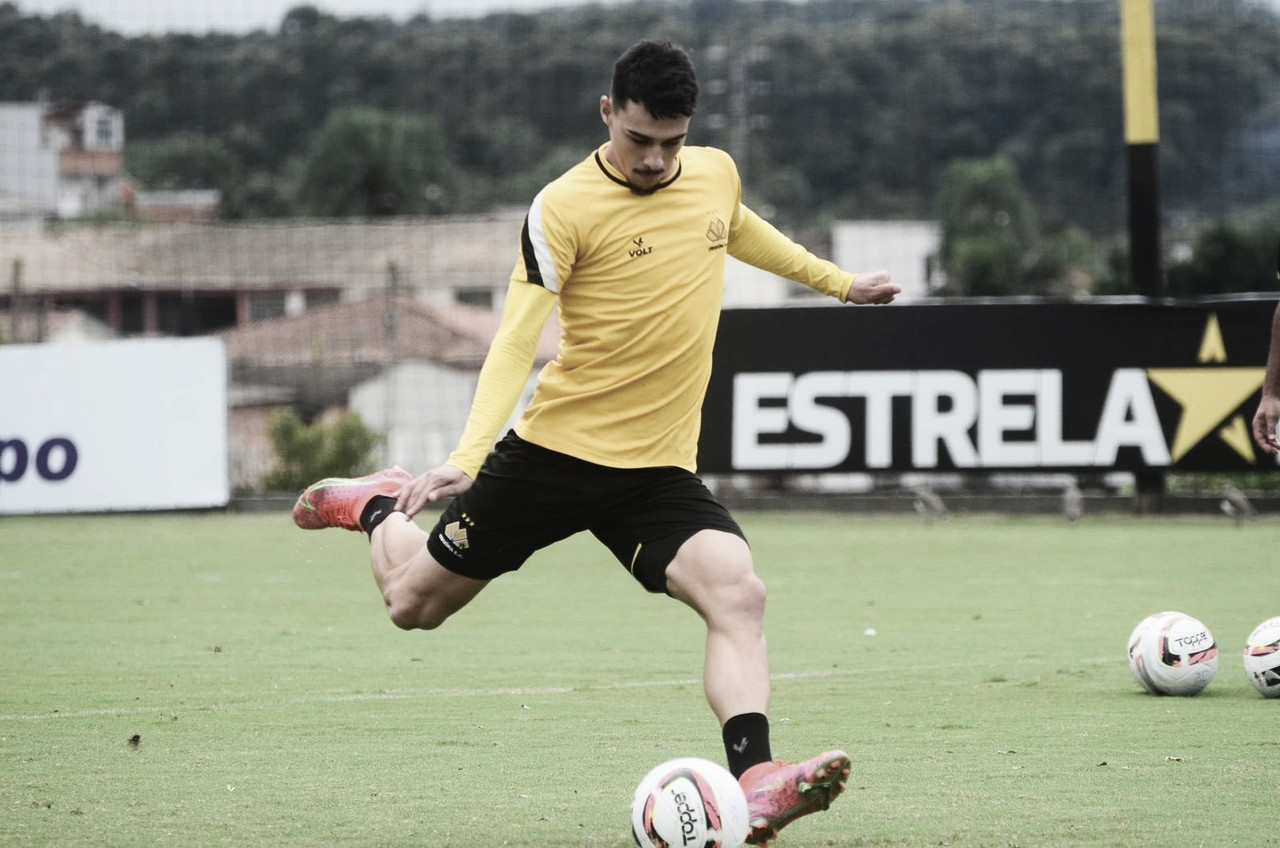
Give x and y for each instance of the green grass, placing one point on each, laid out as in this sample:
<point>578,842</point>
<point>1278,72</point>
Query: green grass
<point>274,704</point>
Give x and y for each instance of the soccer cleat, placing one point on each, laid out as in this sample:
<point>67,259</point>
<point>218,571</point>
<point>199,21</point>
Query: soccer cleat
<point>779,793</point>
<point>338,501</point>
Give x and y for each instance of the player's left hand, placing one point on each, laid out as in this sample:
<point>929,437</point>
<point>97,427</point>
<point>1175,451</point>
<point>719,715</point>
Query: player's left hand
<point>444,481</point>
<point>873,288</point>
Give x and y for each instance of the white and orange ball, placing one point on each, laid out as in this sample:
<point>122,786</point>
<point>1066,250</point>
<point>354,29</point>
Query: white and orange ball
<point>1262,658</point>
<point>1172,653</point>
<point>689,801</point>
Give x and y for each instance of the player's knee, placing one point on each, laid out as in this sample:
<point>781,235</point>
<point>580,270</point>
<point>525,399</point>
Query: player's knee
<point>738,593</point>
<point>749,594</point>
<point>414,616</point>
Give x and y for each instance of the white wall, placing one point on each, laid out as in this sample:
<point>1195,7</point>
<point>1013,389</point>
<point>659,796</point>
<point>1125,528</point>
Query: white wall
<point>28,165</point>
<point>113,426</point>
<point>902,248</point>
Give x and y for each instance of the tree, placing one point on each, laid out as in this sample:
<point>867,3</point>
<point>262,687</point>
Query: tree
<point>987,228</point>
<point>373,163</point>
<point>308,452</point>
<point>181,162</point>
<point>1225,259</point>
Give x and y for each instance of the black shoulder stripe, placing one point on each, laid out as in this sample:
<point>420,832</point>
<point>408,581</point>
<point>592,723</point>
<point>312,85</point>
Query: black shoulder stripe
<point>531,268</point>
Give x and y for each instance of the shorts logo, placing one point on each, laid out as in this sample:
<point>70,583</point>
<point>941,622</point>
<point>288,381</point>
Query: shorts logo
<point>455,534</point>
<point>717,233</point>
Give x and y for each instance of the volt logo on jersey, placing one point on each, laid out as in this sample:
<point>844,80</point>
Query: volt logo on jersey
<point>639,248</point>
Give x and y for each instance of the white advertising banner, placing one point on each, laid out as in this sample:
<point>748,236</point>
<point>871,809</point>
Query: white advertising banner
<point>113,426</point>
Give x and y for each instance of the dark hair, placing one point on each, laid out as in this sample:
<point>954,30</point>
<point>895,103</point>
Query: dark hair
<point>659,76</point>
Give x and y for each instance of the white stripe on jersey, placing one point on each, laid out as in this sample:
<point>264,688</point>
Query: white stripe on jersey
<point>541,252</point>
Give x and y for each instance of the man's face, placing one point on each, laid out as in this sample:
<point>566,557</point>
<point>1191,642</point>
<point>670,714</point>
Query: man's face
<point>642,147</point>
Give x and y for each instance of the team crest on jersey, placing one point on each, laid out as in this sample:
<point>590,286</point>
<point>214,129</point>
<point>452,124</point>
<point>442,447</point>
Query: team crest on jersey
<point>455,533</point>
<point>717,233</point>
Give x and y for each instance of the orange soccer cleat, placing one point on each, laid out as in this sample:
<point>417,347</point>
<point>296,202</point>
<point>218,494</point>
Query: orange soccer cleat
<point>779,793</point>
<point>338,501</point>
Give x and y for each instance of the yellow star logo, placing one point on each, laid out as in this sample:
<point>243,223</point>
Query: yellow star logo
<point>1209,396</point>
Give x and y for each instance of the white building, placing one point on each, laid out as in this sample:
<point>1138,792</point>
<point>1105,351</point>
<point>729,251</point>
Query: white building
<point>28,163</point>
<point>908,250</point>
<point>60,162</point>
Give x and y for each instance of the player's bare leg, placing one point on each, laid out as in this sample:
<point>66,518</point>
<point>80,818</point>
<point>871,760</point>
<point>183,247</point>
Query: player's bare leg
<point>419,592</point>
<point>713,574</point>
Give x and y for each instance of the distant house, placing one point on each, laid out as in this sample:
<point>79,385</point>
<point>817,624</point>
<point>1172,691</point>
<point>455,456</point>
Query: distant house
<point>60,161</point>
<point>28,163</point>
<point>193,279</point>
<point>407,369</point>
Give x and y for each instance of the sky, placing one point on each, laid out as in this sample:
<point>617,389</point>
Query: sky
<point>141,17</point>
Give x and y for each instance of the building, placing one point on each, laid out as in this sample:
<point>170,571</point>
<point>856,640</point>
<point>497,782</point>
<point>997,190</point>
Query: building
<point>193,279</point>
<point>64,162</point>
<point>407,369</point>
<point>907,249</point>
<point>28,164</point>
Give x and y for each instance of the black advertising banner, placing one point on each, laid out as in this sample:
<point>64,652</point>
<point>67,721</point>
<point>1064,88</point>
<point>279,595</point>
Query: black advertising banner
<point>1114,384</point>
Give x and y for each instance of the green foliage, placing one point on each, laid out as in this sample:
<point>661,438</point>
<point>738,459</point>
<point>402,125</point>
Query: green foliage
<point>180,162</point>
<point>308,452</point>
<point>229,680</point>
<point>1227,259</point>
<point>867,107</point>
<point>987,228</point>
<point>370,163</point>
<point>867,104</point>
<point>985,264</point>
<point>991,245</point>
<point>1065,263</point>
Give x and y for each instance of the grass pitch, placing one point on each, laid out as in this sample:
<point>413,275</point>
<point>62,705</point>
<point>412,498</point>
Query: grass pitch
<point>210,680</point>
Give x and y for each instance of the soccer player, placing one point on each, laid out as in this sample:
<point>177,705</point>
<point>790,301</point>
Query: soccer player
<point>630,244</point>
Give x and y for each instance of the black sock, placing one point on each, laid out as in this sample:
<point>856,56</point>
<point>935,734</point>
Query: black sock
<point>375,511</point>
<point>746,741</point>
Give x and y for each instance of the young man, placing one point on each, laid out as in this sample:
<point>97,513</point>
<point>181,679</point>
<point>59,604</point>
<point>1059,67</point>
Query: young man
<point>631,245</point>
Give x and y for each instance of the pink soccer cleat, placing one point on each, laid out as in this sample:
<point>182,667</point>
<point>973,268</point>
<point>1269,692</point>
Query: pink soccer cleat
<point>338,501</point>
<point>779,793</point>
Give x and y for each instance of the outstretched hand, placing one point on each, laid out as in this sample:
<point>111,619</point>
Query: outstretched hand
<point>1264,425</point>
<point>873,288</point>
<point>441,482</point>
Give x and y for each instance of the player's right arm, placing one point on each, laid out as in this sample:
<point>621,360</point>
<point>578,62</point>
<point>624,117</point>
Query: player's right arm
<point>1267,417</point>
<point>757,242</point>
<point>502,378</point>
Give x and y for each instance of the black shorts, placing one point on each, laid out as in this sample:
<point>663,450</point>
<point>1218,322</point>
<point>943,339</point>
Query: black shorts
<point>527,497</point>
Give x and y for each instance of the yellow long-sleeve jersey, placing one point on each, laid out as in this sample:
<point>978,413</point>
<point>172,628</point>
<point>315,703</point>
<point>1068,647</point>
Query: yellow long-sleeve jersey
<point>639,280</point>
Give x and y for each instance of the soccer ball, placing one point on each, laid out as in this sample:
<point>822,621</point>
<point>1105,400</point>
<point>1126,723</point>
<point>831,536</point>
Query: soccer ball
<point>1171,653</point>
<point>1262,658</point>
<point>690,802</point>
